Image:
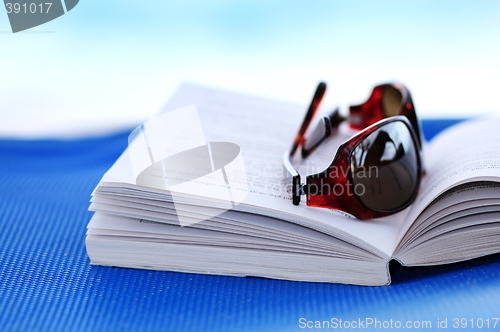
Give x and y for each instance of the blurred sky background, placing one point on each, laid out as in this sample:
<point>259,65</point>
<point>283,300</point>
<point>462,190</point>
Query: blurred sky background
<point>112,62</point>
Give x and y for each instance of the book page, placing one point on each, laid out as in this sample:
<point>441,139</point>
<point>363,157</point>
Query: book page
<point>264,130</point>
<point>467,152</point>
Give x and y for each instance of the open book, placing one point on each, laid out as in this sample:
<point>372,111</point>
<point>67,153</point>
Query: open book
<point>455,217</point>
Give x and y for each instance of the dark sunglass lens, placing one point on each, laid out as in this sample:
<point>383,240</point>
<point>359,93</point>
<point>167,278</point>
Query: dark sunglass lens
<point>391,101</point>
<point>385,168</point>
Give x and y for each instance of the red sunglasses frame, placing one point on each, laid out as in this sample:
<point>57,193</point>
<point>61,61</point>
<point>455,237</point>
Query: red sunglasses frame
<point>350,201</point>
<point>371,111</point>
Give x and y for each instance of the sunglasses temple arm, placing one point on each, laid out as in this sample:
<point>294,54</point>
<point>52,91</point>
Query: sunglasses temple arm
<point>319,134</point>
<point>293,177</point>
<point>318,95</point>
<point>325,128</point>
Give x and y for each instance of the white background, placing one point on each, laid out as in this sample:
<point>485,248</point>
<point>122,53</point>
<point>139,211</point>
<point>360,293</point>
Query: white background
<point>114,63</point>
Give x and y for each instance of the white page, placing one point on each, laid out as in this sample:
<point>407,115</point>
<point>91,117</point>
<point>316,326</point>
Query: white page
<point>264,129</point>
<point>467,152</point>
<point>145,229</point>
<point>466,196</point>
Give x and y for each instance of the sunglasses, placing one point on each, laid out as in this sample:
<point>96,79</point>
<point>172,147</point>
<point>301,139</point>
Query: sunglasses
<point>375,173</point>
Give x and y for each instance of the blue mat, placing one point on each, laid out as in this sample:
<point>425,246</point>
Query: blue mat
<point>47,283</point>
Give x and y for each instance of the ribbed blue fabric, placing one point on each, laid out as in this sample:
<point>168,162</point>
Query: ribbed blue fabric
<point>47,283</point>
